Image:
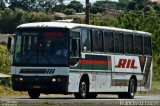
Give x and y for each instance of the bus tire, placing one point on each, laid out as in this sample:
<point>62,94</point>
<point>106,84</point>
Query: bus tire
<point>83,90</point>
<point>33,94</point>
<point>132,87</point>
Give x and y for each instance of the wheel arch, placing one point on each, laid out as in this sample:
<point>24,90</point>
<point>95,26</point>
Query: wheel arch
<point>83,88</point>
<point>86,77</point>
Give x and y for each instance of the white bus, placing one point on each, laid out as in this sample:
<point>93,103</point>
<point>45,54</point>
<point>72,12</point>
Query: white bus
<point>79,59</point>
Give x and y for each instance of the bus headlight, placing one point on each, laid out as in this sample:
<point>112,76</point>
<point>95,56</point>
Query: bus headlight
<point>53,80</point>
<point>21,79</point>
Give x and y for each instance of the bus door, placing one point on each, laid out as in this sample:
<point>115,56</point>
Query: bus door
<point>75,49</point>
<point>87,55</point>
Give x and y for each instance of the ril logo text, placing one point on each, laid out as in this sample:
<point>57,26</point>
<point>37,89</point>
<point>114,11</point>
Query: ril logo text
<point>126,63</point>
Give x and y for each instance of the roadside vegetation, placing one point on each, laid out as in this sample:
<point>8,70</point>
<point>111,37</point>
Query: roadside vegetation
<point>130,14</point>
<point>5,60</point>
<point>156,85</point>
<point>7,91</point>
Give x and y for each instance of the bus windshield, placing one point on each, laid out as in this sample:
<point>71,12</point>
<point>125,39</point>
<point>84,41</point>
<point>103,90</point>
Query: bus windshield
<point>41,46</point>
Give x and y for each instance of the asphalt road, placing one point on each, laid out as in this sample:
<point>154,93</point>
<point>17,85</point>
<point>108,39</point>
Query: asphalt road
<point>68,100</point>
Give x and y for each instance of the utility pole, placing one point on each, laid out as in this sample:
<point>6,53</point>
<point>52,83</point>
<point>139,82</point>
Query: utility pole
<point>87,11</point>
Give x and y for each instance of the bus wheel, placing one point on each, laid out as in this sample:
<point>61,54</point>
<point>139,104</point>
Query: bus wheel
<point>83,90</point>
<point>33,94</point>
<point>131,89</point>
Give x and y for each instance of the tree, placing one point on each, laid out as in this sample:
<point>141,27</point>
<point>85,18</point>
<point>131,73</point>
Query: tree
<point>76,5</point>
<point>9,20</point>
<point>22,4</point>
<point>98,7</point>
<point>60,7</point>
<point>2,4</point>
<point>138,4</point>
<point>36,17</point>
<point>33,5</point>
<point>122,5</point>
<point>46,5</point>
<point>69,11</point>
<point>61,2</point>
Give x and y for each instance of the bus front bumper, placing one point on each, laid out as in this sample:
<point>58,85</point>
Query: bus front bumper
<point>44,84</point>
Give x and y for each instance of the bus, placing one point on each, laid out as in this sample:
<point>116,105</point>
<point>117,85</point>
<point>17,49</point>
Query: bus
<point>84,60</point>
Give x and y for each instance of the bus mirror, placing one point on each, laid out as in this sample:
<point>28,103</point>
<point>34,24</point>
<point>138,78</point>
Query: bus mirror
<point>9,43</point>
<point>74,44</point>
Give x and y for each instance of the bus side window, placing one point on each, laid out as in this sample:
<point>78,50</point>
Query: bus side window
<point>129,44</point>
<point>97,41</point>
<point>147,45</point>
<point>86,40</point>
<point>119,42</point>
<point>108,42</point>
<point>138,44</point>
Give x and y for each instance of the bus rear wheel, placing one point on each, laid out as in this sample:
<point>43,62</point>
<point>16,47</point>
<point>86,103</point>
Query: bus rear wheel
<point>33,94</point>
<point>83,90</point>
<point>132,87</point>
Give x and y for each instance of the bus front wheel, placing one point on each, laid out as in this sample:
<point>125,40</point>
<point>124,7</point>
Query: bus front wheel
<point>33,94</point>
<point>83,90</point>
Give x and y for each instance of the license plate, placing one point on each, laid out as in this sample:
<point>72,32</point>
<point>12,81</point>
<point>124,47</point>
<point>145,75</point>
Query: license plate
<point>36,86</point>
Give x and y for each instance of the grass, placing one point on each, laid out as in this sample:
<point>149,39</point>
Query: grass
<point>156,85</point>
<point>8,92</point>
<point>155,90</point>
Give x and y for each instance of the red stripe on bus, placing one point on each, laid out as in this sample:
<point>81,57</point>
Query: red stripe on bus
<point>95,62</point>
<point>119,83</point>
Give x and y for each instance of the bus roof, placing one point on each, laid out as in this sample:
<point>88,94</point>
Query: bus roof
<point>75,25</point>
